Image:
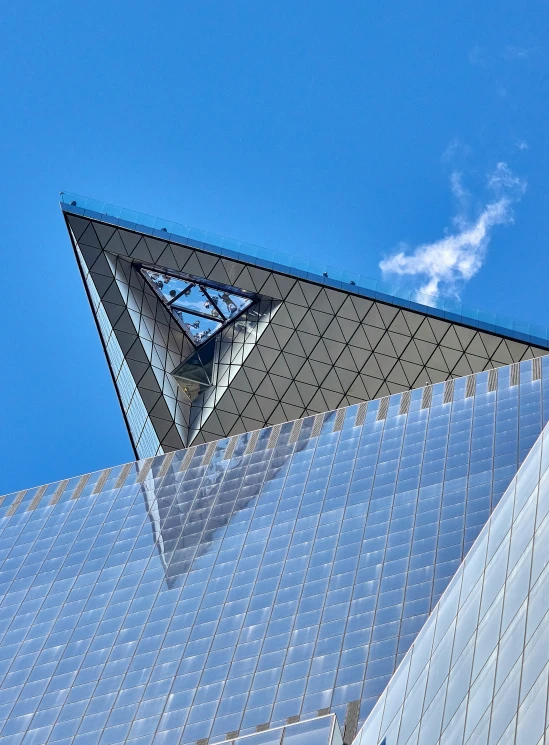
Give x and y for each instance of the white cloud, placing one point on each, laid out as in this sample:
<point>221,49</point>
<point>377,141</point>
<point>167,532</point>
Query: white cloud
<point>456,150</point>
<point>445,265</point>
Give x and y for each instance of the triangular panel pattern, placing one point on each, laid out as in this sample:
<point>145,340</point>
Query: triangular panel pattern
<point>202,308</point>
<point>322,349</point>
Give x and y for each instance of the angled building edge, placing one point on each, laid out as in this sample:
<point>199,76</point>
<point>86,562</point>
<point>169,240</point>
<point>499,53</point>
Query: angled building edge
<point>478,671</point>
<point>268,344</point>
<point>242,586</point>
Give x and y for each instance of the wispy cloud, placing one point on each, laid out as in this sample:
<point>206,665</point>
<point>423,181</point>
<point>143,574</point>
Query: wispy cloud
<point>456,151</point>
<point>445,265</point>
<point>520,53</point>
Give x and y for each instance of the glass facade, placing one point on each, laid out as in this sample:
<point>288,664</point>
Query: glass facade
<point>239,585</point>
<point>479,670</point>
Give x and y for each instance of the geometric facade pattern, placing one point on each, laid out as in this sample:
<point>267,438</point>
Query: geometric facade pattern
<point>479,670</point>
<point>201,308</point>
<point>307,344</point>
<point>279,576</point>
<point>222,325</point>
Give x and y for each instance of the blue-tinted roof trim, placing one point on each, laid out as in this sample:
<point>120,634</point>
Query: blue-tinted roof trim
<point>299,268</point>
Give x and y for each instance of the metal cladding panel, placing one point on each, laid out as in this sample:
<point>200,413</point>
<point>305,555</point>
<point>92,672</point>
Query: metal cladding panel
<point>310,349</point>
<point>193,596</point>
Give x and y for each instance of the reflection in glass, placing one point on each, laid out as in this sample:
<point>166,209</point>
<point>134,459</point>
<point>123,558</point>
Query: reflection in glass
<point>279,579</point>
<point>201,307</point>
<point>229,303</point>
<point>195,299</point>
<point>198,328</point>
<point>187,522</point>
<point>207,365</point>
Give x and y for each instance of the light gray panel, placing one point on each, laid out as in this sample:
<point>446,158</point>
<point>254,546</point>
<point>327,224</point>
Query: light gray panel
<point>398,376</point>
<point>451,340</point>
<point>502,354</point>
<point>348,328</point>
<point>399,325</point>
<point>451,356</point>
<point>386,363</point>
<point>335,298</point>
<point>308,324</point>
<point>347,359</point>
<point>348,311</point>
<point>322,303</point>
<point>440,328</point>
<point>388,313</point>
<point>373,336</point>
<point>280,384</point>
<point>399,342</point>
<point>308,343</point>
<point>425,333</point>
<point>310,291</point>
<point>438,361</point>
<point>362,306</point>
<point>284,284</point>
<point>281,333</point>
<point>517,349</point>
<point>334,349</point>
<point>294,363</point>
<point>373,318</point>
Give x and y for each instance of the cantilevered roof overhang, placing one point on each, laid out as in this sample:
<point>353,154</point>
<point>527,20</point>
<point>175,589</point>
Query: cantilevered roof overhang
<point>280,338</point>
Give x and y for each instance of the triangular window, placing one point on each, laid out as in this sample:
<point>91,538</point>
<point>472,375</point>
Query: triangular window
<point>201,307</point>
<point>195,374</point>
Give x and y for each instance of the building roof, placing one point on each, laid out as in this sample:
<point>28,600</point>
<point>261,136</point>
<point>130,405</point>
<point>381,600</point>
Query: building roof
<point>267,340</point>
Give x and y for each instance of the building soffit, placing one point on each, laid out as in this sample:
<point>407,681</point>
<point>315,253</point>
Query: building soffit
<point>297,348</point>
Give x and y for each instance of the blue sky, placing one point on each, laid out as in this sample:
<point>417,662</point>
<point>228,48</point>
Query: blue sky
<point>348,132</point>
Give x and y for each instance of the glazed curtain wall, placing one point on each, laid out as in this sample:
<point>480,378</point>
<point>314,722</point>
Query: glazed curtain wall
<point>241,584</point>
<point>479,670</point>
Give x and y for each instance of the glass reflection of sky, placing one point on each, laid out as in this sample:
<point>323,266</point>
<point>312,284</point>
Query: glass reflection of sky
<point>194,298</point>
<point>229,303</point>
<point>325,548</point>
<point>169,287</point>
<point>191,301</point>
<point>253,585</point>
<point>198,327</point>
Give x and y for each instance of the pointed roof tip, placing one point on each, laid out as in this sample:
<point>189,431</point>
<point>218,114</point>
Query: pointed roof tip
<point>67,200</point>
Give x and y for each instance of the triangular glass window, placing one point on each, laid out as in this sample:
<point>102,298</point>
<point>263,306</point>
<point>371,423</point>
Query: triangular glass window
<point>201,307</point>
<point>196,373</point>
<point>197,327</point>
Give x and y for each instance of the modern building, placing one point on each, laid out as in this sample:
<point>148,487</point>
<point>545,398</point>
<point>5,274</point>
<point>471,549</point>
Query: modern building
<point>208,338</point>
<point>296,576</point>
<point>478,671</point>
